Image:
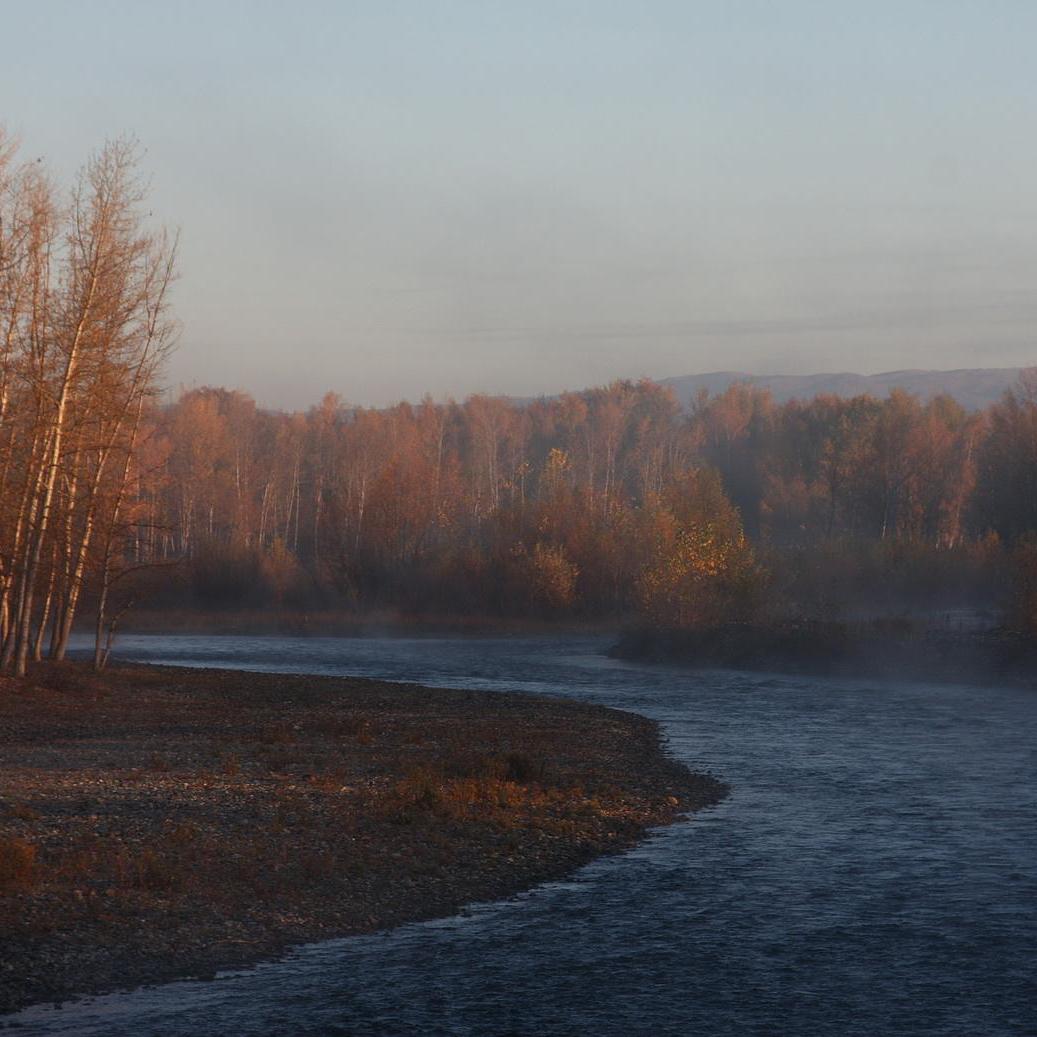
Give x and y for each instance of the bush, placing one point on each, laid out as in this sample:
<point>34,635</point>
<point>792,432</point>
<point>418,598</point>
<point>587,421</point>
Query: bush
<point>1022,611</point>
<point>224,576</point>
<point>521,769</point>
<point>17,863</point>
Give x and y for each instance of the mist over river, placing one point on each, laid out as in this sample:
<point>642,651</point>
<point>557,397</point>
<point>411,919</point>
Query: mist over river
<point>873,872</point>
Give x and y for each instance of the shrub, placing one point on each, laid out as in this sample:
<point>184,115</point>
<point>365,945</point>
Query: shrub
<point>514,767</point>
<point>522,769</point>
<point>17,863</point>
<point>1022,611</point>
<point>317,866</point>
<point>223,575</point>
<point>421,787</point>
<point>23,812</point>
<point>154,872</point>
<point>279,733</point>
<point>148,870</point>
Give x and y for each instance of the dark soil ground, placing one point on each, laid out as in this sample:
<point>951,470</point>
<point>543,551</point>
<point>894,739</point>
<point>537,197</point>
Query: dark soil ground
<point>158,822</point>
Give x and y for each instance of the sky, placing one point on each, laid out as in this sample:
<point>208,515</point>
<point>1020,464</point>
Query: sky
<point>391,198</point>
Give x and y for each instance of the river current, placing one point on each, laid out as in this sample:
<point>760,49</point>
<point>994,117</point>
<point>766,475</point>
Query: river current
<point>873,872</point>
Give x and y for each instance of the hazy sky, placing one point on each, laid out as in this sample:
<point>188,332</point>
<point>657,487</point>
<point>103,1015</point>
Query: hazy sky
<point>388,198</point>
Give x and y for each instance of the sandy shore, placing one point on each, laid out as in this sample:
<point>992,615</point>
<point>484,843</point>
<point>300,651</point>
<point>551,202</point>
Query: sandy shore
<point>160,823</point>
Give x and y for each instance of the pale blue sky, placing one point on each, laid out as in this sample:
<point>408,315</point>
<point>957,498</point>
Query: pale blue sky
<point>387,198</point>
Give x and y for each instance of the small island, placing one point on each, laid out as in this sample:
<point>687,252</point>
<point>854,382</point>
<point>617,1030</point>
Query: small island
<point>161,822</point>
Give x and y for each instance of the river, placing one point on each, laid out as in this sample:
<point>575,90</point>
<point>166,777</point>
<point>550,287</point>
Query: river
<point>873,872</point>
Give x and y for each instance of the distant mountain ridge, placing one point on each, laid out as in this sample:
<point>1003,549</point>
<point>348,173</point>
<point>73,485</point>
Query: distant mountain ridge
<point>973,388</point>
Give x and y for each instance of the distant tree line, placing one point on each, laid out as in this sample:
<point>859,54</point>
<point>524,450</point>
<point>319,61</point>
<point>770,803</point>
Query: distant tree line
<point>612,502</point>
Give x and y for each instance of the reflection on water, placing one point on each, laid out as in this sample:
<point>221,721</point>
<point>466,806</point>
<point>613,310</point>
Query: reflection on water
<point>874,872</point>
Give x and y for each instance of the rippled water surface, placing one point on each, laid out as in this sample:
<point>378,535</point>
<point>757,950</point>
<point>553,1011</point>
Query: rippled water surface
<point>874,872</point>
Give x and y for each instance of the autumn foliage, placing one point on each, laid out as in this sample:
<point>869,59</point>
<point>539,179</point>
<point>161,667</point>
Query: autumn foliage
<point>612,502</point>
<point>571,507</point>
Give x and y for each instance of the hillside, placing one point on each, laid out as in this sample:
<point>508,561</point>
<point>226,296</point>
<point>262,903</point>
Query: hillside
<point>973,388</point>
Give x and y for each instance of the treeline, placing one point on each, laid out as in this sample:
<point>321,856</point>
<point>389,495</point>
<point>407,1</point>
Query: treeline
<point>83,329</point>
<point>611,502</point>
<point>561,507</point>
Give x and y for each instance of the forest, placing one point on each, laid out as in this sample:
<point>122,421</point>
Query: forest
<point>604,504</point>
<point>612,504</point>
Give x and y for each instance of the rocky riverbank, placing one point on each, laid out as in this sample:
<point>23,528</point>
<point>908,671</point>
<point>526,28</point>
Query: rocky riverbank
<point>158,822</point>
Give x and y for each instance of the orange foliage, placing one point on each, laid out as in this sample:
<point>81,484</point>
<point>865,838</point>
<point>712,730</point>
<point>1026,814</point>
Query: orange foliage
<point>607,502</point>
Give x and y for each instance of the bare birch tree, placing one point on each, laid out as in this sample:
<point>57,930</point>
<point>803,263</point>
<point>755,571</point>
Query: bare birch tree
<point>86,328</point>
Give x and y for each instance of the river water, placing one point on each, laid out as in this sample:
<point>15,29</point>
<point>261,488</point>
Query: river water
<point>873,872</point>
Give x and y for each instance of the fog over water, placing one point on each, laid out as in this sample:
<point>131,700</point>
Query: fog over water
<point>873,872</point>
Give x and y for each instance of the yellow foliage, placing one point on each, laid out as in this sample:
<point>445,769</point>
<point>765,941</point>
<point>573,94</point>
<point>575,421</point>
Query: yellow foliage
<point>705,576</point>
<point>553,576</point>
